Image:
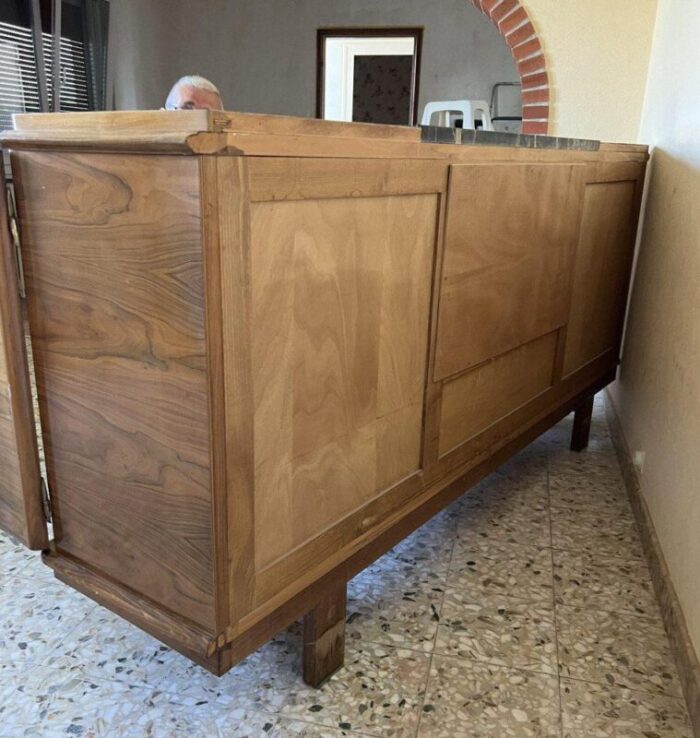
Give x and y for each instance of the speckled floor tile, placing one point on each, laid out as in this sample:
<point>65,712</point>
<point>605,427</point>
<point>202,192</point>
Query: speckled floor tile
<point>523,484</point>
<point>466,699</point>
<point>398,611</point>
<point>505,522</point>
<point>599,467</point>
<point>246,724</point>
<point>259,682</point>
<point>158,719</point>
<point>36,616</point>
<point>428,549</point>
<point>603,583</point>
<point>49,702</point>
<point>605,711</point>
<point>379,691</point>
<point>107,647</point>
<point>503,568</point>
<point>603,535</point>
<point>476,582</point>
<point>586,495</point>
<point>498,629</point>
<point>624,649</point>
<point>15,557</point>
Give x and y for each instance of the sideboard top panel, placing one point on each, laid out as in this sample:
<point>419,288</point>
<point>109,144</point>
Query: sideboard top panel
<point>233,133</point>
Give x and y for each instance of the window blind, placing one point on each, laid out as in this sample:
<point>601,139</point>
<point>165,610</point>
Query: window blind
<point>19,85</point>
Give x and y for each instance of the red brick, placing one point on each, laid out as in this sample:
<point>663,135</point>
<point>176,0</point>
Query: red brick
<point>487,6</point>
<point>535,112</point>
<point>534,126</point>
<point>530,66</point>
<point>535,80</point>
<point>509,24</point>
<point>536,96</point>
<point>521,35</point>
<point>500,12</point>
<point>527,49</point>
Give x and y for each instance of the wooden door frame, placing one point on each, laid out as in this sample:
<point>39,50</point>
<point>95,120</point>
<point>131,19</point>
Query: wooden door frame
<point>416,32</point>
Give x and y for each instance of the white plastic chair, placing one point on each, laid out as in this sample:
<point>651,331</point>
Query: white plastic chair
<point>467,109</point>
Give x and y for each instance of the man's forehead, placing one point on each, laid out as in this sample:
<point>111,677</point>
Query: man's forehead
<point>194,92</point>
<point>188,93</point>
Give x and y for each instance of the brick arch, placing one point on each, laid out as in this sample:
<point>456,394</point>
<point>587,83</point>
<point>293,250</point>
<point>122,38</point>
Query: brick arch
<point>514,25</point>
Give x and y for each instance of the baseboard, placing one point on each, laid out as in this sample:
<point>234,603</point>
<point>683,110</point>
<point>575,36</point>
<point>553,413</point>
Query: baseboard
<point>674,620</point>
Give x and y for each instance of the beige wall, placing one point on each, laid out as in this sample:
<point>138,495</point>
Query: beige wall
<point>598,53</point>
<point>658,394</point>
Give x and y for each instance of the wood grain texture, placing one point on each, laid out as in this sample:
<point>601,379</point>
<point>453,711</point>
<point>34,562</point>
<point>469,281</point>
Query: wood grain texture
<point>20,499</point>
<point>340,296</point>
<point>511,234</point>
<point>473,401</point>
<point>341,552</point>
<point>303,179</point>
<point>234,235</point>
<point>324,636</point>
<point>113,265</point>
<point>602,266</point>
<point>213,302</point>
<point>239,357</point>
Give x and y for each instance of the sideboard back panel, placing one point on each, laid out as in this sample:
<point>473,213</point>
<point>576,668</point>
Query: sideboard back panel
<point>603,264</point>
<point>511,235</point>
<point>478,398</point>
<point>340,314</point>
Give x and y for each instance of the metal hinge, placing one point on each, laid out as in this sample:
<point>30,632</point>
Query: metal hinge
<point>46,501</point>
<point>13,227</point>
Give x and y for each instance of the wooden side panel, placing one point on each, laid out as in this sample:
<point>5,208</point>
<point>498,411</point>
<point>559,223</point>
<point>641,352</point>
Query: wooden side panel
<point>602,267</point>
<point>511,232</point>
<point>20,499</point>
<point>340,292</point>
<point>113,263</point>
<point>475,400</point>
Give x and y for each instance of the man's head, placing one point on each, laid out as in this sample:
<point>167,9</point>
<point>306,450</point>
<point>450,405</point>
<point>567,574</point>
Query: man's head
<point>193,93</point>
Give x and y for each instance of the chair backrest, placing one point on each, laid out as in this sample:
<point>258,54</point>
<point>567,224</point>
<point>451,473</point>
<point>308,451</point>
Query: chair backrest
<point>466,108</point>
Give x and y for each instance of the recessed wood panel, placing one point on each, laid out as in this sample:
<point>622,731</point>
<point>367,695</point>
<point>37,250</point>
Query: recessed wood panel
<point>113,265</point>
<point>511,231</point>
<point>601,272</point>
<point>477,399</point>
<point>340,294</point>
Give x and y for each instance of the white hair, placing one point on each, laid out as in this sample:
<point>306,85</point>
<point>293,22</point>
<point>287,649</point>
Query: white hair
<point>192,80</point>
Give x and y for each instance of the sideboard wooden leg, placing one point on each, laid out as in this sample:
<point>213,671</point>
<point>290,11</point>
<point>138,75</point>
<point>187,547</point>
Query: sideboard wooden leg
<point>582,425</point>
<point>324,637</point>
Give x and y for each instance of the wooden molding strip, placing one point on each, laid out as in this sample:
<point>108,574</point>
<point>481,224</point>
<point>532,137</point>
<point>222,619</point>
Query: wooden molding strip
<point>168,627</point>
<point>669,604</point>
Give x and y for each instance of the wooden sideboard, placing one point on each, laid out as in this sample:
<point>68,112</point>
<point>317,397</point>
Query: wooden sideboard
<point>267,349</point>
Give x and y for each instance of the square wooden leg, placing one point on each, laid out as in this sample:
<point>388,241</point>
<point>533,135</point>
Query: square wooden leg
<point>324,637</point>
<point>582,425</point>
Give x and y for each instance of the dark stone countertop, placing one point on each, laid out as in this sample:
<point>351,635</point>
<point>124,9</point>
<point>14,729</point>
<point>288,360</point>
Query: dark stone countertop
<point>469,137</point>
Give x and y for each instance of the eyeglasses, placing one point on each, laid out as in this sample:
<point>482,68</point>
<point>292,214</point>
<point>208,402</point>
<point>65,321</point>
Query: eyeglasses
<point>186,106</point>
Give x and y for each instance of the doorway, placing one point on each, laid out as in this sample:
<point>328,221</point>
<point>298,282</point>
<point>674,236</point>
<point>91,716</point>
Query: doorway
<point>368,75</point>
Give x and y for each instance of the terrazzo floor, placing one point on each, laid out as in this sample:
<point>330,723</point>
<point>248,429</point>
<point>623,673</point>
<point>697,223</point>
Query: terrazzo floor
<point>524,609</point>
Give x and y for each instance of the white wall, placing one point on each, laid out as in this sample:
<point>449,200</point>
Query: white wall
<point>597,54</point>
<point>658,394</point>
<point>262,53</point>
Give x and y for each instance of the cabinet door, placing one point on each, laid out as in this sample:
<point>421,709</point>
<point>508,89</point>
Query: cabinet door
<point>21,511</point>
